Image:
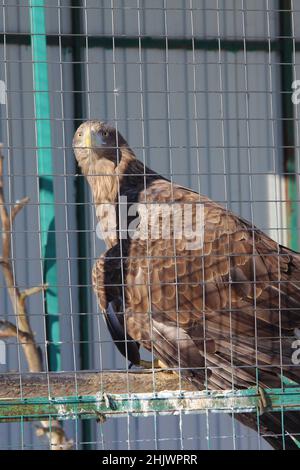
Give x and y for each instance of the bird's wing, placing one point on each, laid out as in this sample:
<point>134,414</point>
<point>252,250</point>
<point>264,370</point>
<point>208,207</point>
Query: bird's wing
<point>107,284</point>
<point>223,308</point>
<point>223,316</point>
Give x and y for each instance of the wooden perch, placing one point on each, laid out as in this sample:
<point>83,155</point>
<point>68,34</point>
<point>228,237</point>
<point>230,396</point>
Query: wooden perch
<point>60,384</point>
<point>98,395</point>
<point>22,330</point>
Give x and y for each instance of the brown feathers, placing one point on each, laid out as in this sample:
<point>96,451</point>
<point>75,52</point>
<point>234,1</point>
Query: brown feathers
<point>225,312</point>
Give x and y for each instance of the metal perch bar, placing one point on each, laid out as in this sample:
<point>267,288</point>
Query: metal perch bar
<point>101,394</point>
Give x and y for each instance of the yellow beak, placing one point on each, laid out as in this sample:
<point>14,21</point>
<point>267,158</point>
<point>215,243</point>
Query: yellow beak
<point>93,139</point>
<point>88,138</point>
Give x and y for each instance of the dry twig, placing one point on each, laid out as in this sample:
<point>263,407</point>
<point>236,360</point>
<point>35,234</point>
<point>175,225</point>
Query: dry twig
<point>22,330</point>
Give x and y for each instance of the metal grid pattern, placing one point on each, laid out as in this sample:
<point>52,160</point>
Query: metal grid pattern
<point>202,92</point>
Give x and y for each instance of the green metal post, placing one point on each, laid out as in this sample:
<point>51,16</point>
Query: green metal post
<point>286,60</point>
<point>145,404</point>
<point>45,171</point>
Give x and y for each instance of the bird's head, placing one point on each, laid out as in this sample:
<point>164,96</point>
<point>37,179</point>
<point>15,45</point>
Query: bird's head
<point>97,145</point>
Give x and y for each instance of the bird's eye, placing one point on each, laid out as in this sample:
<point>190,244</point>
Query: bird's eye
<point>79,134</point>
<point>105,134</point>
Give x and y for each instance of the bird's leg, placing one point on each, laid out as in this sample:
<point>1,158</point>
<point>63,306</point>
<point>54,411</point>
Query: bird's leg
<point>155,364</point>
<point>262,401</point>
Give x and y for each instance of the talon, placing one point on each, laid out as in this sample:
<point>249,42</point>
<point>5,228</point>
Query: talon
<point>155,364</point>
<point>150,364</point>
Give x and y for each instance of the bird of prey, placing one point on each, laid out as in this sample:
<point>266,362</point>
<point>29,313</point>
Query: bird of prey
<point>222,312</point>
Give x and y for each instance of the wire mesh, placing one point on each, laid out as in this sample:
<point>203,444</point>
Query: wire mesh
<point>205,93</point>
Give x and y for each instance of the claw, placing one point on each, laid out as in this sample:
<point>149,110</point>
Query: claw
<point>155,364</point>
<point>150,364</point>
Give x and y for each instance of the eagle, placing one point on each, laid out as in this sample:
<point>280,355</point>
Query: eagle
<point>217,303</point>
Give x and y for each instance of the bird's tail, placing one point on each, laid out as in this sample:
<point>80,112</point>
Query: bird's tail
<point>280,429</point>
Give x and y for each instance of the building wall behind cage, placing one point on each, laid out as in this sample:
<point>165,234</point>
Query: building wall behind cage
<point>17,130</point>
<point>207,119</point>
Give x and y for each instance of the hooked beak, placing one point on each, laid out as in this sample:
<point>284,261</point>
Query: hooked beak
<point>93,139</point>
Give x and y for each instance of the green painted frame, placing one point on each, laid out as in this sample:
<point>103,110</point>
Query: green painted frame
<point>45,172</point>
<point>143,404</point>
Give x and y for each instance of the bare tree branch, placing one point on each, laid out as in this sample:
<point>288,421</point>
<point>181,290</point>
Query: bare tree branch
<point>22,330</point>
<point>9,330</point>
<point>31,291</point>
<point>18,207</point>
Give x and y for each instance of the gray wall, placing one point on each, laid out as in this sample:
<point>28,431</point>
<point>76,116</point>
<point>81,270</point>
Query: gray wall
<point>213,117</point>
